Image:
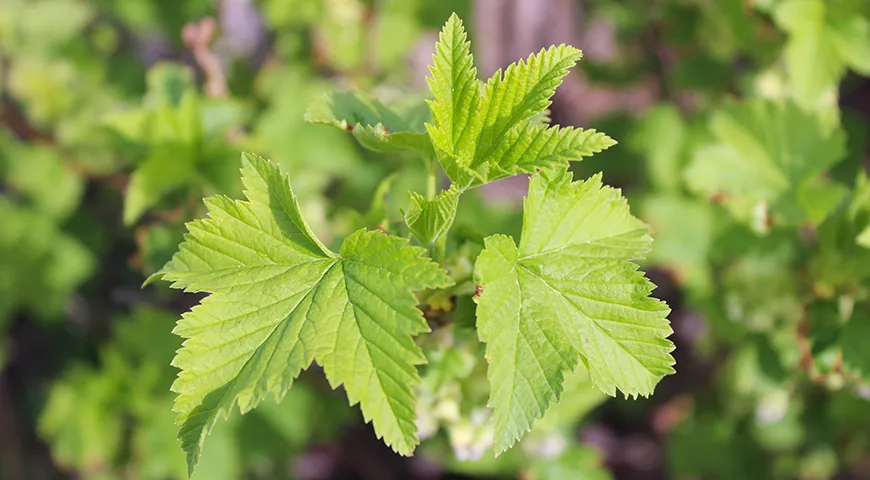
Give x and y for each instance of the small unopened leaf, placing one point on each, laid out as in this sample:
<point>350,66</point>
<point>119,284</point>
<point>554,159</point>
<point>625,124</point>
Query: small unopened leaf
<point>429,220</point>
<point>373,124</point>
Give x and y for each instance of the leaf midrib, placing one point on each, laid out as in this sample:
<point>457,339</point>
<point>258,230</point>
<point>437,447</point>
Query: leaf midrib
<point>594,241</point>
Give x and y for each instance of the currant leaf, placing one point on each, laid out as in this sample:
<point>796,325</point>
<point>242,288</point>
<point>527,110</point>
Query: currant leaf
<point>280,300</point>
<point>569,291</point>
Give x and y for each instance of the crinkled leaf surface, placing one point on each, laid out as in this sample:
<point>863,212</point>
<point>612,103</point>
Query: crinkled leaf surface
<point>429,220</point>
<point>457,95</point>
<point>280,299</point>
<point>530,147</point>
<point>569,291</point>
<point>485,132</point>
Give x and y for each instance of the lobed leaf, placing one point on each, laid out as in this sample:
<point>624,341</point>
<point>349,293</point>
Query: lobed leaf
<point>482,133</point>
<point>569,291</point>
<point>280,299</point>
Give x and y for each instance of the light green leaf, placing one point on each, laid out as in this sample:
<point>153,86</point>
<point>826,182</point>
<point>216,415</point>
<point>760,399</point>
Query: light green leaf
<point>521,93</point>
<point>685,232</point>
<point>850,35</point>
<point>44,176</point>
<point>824,39</point>
<point>374,125</point>
<point>312,155</point>
<point>529,148</point>
<point>163,171</point>
<point>568,291</point>
<point>281,299</point>
<point>816,200</point>
<point>45,86</point>
<point>167,84</point>
<point>661,137</point>
<point>35,27</point>
<point>131,124</point>
<point>183,137</point>
<point>82,422</point>
<point>457,96</point>
<point>429,220</point>
<point>482,133</point>
<point>172,135</point>
<point>40,265</point>
<point>763,151</point>
<point>579,463</point>
<point>863,238</point>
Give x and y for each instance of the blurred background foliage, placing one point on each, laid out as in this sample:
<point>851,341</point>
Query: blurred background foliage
<point>743,130</point>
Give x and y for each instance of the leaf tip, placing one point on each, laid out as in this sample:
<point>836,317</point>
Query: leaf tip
<point>251,160</point>
<point>158,275</point>
<point>454,19</point>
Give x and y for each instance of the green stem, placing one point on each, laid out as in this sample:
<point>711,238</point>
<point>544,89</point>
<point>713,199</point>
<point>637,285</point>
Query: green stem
<point>468,277</point>
<point>438,249</point>
<point>431,178</point>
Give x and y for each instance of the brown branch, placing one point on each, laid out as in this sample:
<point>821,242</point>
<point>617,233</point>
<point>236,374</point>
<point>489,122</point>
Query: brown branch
<point>11,452</point>
<point>18,124</point>
<point>197,37</point>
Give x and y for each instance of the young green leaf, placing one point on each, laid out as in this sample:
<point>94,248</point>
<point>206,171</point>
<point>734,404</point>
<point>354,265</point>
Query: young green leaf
<point>373,124</point>
<point>183,136</point>
<point>280,299</point>
<point>169,123</point>
<point>529,148</point>
<point>522,92</point>
<point>482,133</point>
<point>568,291</point>
<point>429,220</point>
<point>824,40</point>
<point>457,97</point>
<point>764,152</point>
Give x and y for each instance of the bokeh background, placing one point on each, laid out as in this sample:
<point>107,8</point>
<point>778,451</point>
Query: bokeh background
<point>743,140</point>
